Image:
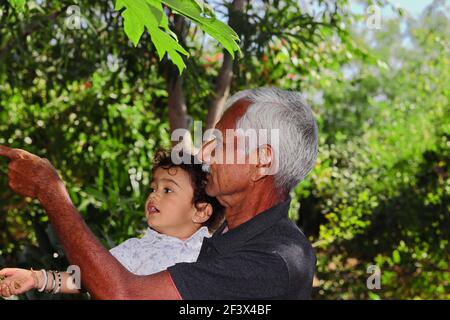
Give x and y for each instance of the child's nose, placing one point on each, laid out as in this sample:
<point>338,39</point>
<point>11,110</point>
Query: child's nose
<point>153,196</point>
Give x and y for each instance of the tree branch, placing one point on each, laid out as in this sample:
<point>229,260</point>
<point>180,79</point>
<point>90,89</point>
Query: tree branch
<point>225,76</point>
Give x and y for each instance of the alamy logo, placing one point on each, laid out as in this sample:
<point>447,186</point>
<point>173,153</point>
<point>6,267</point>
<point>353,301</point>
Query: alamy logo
<point>374,280</point>
<point>236,146</point>
<point>73,20</point>
<point>74,281</point>
<point>374,17</point>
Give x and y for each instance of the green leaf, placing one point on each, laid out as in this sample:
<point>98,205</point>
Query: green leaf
<point>141,14</point>
<point>134,18</point>
<point>17,4</point>
<point>201,4</point>
<point>149,14</point>
<point>155,6</point>
<point>396,257</point>
<point>211,25</point>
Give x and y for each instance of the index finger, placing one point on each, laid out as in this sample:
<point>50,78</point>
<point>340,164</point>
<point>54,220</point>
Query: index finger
<point>6,272</point>
<point>8,152</point>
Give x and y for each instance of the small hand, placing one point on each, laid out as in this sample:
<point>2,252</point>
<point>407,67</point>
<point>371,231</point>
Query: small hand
<point>29,175</point>
<point>17,281</point>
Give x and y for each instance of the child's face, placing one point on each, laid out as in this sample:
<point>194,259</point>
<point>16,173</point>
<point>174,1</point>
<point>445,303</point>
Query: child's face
<point>169,208</point>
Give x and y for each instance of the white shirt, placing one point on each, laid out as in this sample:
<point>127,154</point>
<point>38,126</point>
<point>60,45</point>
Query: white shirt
<point>156,252</point>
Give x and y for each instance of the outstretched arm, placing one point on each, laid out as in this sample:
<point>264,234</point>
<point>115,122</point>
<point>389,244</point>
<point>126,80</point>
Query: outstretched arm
<point>102,275</point>
<point>18,281</point>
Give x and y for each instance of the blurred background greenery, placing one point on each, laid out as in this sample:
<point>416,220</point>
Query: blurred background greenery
<point>98,108</point>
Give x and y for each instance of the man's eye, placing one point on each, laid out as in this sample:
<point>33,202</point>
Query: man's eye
<point>168,190</point>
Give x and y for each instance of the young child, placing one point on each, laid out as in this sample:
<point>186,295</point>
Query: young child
<point>179,215</point>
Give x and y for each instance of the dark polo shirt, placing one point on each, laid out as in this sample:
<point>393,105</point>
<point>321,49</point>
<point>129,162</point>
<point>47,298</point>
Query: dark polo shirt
<point>267,257</point>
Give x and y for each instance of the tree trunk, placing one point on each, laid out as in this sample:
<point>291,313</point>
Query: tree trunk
<point>178,116</point>
<point>176,103</point>
<point>223,84</point>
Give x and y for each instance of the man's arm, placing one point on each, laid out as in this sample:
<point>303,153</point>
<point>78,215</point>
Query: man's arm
<point>102,275</point>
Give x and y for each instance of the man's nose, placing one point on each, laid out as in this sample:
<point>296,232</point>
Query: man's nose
<point>206,152</point>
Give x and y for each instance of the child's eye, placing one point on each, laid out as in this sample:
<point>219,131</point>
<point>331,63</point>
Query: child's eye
<point>152,190</point>
<point>168,190</point>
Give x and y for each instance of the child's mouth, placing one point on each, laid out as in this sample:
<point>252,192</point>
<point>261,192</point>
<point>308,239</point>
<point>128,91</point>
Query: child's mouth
<point>151,209</point>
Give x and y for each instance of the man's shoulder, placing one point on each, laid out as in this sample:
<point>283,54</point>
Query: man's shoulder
<point>281,234</point>
<point>288,241</point>
<point>288,246</point>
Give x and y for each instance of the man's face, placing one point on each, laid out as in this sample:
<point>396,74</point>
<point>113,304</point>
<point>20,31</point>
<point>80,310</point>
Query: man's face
<point>226,177</point>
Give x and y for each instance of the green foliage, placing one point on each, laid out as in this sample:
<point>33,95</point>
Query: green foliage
<point>17,4</point>
<point>139,15</point>
<point>205,19</point>
<point>380,191</point>
<point>150,14</point>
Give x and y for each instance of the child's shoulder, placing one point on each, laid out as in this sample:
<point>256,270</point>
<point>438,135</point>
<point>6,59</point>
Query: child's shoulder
<point>127,244</point>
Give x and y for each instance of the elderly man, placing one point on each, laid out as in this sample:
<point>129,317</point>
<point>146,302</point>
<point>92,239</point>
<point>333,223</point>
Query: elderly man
<point>258,253</point>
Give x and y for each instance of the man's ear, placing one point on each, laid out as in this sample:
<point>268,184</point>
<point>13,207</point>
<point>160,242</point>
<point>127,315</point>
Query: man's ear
<point>202,213</point>
<point>264,161</point>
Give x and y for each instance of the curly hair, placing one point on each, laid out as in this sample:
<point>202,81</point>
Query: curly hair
<point>198,180</point>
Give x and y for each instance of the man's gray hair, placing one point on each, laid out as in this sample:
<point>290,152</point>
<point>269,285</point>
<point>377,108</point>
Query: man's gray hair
<point>274,108</point>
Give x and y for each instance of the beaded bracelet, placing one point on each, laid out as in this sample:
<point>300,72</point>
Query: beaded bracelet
<point>58,287</point>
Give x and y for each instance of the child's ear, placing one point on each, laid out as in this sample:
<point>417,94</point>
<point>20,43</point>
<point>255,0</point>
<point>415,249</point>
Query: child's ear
<point>202,213</point>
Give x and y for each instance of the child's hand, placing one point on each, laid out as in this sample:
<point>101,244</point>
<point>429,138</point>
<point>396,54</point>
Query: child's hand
<point>15,281</point>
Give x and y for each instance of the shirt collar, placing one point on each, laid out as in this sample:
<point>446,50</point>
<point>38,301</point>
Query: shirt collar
<point>196,236</point>
<point>238,236</point>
